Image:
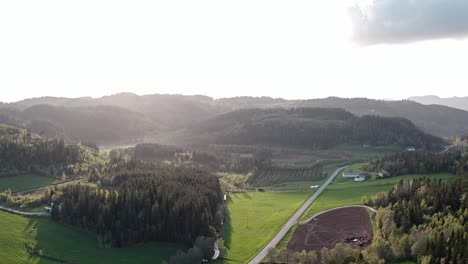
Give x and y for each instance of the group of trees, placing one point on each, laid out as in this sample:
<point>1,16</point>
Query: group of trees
<point>21,151</point>
<point>422,162</point>
<point>422,220</point>
<point>170,203</point>
<point>317,128</point>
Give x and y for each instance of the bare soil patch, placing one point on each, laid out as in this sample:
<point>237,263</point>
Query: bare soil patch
<point>345,225</point>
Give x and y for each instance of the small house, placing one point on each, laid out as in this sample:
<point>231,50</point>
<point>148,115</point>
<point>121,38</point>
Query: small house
<point>360,179</point>
<point>410,149</point>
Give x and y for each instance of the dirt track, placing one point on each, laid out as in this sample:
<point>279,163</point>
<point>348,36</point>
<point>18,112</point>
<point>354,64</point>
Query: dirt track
<point>349,225</point>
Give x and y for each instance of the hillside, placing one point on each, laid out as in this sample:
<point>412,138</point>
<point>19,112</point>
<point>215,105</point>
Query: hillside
<point>316,128</point>
<point>172,112</point>
<point>100,124</point>
<point>455,102</point>
<point>23,152</point>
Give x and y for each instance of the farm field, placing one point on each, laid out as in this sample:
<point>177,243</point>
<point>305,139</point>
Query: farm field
<point>281,175</point>
<point>332,227</point>
<point>69,244</point>
<point>350,192</point>
<point>24,182</point>
<point>255,218</point>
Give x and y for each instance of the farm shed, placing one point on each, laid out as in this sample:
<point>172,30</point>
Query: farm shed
<point>351,175</point>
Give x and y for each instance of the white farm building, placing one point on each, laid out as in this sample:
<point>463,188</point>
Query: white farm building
<point>349,175</point>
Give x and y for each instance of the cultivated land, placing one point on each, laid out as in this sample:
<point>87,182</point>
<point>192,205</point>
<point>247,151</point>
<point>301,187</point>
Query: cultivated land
<point>69,244</point>
<point>350,192</point>
<point>342,225</point>
<point>255,218</point>
<point>24,182</point>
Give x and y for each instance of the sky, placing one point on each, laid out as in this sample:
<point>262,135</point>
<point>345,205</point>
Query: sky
<point>385,49</point>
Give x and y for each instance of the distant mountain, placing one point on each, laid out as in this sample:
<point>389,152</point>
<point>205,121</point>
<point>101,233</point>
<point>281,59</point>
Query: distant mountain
<point>169,113</point>
<point>100,124</point>
<point>455,102</point>
<point>438,120</point>
<point>317,128</point>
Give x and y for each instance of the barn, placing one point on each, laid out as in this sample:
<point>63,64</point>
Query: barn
<point>350,175</point>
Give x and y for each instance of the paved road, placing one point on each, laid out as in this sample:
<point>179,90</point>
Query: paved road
<point>293,220</point>
<point>13,211</point>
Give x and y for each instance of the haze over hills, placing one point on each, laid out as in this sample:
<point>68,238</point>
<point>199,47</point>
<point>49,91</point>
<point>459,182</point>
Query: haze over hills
<point>455,102</point>
<point>314,128</point>
<point>127,117</point>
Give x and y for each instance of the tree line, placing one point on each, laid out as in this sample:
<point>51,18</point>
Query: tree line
<point>420,162</point>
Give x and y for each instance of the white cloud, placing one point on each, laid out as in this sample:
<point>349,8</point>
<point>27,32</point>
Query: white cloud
<point>400,21</point>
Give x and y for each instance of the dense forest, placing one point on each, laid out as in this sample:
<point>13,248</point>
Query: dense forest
<point>21,152</point>
<point>316,128</point>
<point>170,203</point>
<point>422,162</point>
<point>422,220</point>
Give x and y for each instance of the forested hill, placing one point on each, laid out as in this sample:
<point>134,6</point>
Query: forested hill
<point>317,128</point>
<point>23,152</point>
<point>100,124</point>
<point>170,112</point>
<point>438,120</point>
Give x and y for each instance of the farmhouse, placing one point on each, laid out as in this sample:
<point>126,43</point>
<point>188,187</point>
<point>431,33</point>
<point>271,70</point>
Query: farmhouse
<point>349,175</point>
<point>360,179</point>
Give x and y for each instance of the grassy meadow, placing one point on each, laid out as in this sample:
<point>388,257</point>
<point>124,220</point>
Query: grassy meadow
<point>255,218</point>
<point>350,192</point>
<point>68,244</point>
<point>24,182</point>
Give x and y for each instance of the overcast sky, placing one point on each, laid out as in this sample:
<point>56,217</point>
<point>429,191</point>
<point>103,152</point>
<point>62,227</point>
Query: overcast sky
<point>293,49</point>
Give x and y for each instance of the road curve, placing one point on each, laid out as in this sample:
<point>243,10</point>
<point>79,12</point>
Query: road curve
<point>13,211</point>
<point>336,208</point>
<point>293,220</point>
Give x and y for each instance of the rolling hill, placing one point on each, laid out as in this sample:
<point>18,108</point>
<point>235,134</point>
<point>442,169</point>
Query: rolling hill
<point>316,128</point>
<point>127,117</point>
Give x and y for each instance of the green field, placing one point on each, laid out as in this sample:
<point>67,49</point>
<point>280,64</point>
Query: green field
<point>255,218</point>
<point>24,182</point>
<point>350,192</point>
<point>356,167</point>
<point>67,243</point>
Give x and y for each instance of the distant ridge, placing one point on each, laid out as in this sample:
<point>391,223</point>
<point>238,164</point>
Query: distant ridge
<point>133,118</point>
<point>455,102</point>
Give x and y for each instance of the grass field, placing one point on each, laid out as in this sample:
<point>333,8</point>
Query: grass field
<point>356,167</point>
<point>255,218</point>
<point>350,192</point>
<point>69,244</point>
<point>24,182</point>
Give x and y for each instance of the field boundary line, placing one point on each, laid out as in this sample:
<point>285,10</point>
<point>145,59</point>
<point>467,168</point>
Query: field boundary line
<point>13,211</point>
<point>336,208</point>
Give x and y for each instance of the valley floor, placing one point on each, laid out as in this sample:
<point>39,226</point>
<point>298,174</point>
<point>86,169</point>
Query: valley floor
<point>69,244</point>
